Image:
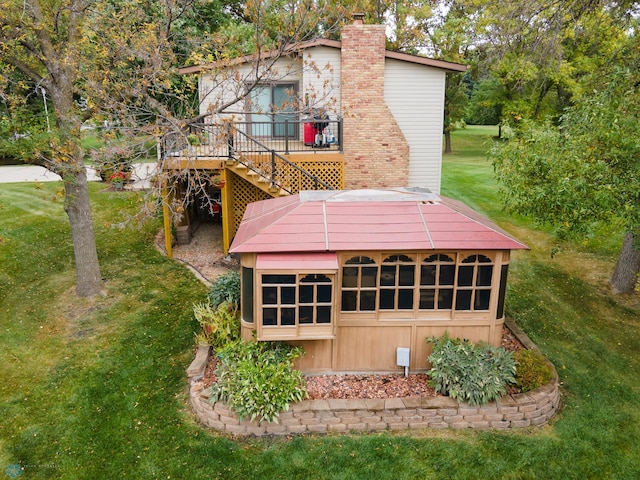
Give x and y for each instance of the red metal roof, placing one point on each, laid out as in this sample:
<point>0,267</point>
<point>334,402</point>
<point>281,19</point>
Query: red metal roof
<point>394,219</point>
<point>297,261</point>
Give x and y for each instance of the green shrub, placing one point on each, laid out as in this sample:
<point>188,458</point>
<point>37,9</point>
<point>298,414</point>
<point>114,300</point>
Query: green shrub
<point>219,326</point>
<point>532,371</point>
<point>111,160</point>
<point>257,379</point>
<point>227,285</point>
<point>475,374</point>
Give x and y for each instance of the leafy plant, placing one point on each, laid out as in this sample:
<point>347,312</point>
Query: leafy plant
<point>533,370</point>
<point>225,288</point>
<point>110,160</point>
<point>194,139</point>
<point>475,374</point>
<point>220,325</point>
<point>257,379</point>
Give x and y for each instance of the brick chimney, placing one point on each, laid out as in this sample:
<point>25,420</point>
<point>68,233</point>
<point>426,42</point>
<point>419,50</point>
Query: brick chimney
<point>376,153</point>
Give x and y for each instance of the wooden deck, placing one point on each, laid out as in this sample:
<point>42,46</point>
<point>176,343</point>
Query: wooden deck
<point>207,158</point>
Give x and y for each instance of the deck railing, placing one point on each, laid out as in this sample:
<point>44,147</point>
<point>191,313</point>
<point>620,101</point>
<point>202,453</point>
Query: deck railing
<point>210,140</point>
<point>288,136</point>
<point>261,153</point>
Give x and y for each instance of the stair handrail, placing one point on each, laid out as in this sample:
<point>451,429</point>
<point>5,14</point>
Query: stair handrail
<point>238,156</point>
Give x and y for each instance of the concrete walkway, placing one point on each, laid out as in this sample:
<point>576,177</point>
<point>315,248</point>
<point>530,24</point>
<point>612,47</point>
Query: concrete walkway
<point>141,175</point>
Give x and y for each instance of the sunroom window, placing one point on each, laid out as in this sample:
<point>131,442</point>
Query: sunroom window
<point>407,282</point>
<point>397,280</point>
<point>247,294</point>
<point>278,300</point>
<point>437,274</point>
<point>314,300</point>
<point>290,300</point>
<point>473,290</point>
<point>359,284</point>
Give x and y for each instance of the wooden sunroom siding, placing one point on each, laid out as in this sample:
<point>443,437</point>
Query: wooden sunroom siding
<point>415,96</point>
<point>369,349</point>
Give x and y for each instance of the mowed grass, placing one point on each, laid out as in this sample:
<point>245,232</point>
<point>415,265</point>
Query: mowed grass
<point>97,389</point>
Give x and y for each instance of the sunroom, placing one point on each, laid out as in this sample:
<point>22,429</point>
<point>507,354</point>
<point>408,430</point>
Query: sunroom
<point>354,275</point>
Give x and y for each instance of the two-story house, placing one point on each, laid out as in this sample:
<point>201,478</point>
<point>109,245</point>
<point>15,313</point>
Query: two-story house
<point>329,156</point>
<point>323,114</point>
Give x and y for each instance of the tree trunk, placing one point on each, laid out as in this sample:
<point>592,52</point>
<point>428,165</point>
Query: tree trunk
<point>625,275</point>
<point>447,141</point>
<point>78,208</point>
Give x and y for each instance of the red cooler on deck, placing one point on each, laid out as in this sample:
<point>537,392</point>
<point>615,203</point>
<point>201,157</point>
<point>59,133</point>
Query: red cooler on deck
<point>309,133</point>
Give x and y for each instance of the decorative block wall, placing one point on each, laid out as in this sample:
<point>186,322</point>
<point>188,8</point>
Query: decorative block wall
<point>323,416</point>
<point>521,410</point>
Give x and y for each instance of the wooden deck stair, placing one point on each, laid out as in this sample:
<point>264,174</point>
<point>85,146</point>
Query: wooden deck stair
<point>267,169</point>
<point>255,178</point>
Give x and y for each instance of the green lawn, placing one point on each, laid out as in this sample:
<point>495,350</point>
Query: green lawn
<point>96,389</point>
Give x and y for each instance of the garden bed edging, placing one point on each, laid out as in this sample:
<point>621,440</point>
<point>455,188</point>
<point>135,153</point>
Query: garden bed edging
<point>520,410</point>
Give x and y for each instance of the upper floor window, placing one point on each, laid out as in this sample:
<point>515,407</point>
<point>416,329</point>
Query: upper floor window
<point>272,110</point>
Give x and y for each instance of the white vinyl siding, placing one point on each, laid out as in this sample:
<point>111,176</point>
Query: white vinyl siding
<point>227,85</point>
<point>322,79</point>
<point>415,96</point>
<point>414,93</point>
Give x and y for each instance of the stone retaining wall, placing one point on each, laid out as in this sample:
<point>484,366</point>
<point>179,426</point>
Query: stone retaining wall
<point>320,416</point>
<point>512,411</point>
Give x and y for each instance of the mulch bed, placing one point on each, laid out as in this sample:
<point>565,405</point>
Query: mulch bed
<point>364,386</point>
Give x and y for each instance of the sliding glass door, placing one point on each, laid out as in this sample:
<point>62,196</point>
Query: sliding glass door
<point>271,106</point>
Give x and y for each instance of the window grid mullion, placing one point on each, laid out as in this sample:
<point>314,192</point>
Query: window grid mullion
<point>456,288</point>
<point>312,304</point>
